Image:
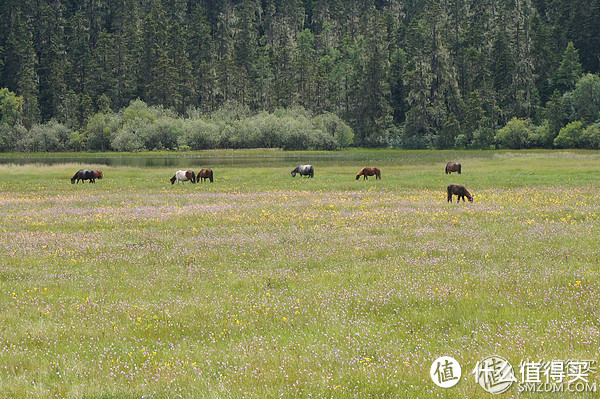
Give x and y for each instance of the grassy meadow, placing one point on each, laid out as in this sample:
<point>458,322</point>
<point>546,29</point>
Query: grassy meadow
<point>260,285</point>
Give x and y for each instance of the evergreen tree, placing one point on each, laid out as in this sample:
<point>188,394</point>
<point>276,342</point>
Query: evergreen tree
<point>568,73</point>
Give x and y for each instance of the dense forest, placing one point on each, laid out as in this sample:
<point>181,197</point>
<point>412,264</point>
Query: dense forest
<point>131,75</point>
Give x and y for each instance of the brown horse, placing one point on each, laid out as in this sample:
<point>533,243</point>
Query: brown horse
<point>205,174</point>
<point>453,167</point>
<point>364,172</point>
<point>460,191</point>
<point>98,174</point>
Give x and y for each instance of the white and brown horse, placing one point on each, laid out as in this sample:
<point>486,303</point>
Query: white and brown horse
<point>183,176</point>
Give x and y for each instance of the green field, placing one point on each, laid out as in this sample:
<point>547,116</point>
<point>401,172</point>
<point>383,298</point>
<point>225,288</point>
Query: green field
<point>260,285</point>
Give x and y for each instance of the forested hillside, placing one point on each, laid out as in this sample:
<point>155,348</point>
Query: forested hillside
<point>412,73</point>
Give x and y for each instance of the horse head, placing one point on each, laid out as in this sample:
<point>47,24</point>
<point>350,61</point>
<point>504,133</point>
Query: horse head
<point>172,179</point>
<point>294,172</point>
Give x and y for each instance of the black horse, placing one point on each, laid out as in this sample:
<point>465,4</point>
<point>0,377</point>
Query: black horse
<point>82,175</point>
<point>304,170</point>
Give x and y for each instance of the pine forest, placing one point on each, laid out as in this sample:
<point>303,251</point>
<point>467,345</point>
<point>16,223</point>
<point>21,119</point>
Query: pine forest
<point>131,75</point>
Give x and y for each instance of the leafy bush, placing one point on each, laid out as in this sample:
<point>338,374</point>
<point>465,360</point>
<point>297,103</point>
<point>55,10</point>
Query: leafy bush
<point>100,130</point>
<point>515,135</point>
<point>51,137</point>
<point>586,98</point>
<point>129,137</point>
<point>140,127</point>
<point>200,134</point>
<point>569,136</point>
<point>483,138</point>
<point>336,128</point>
<point>541,136</point>
<point>590,137</point>
<point>461,141</point>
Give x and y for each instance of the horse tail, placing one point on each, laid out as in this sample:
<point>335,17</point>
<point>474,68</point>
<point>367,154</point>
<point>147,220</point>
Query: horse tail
<point>447,168</point>
<point>210,176</point>
<point>459,168</point>
<point>449,190</point>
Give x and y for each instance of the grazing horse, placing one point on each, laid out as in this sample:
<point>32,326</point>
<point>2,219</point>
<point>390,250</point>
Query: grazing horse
<point>364,172</point>
<point>453,167</point>
<point>460,191</point>
<point>183,176</point>
<point>97,175</point>
<point>304,170</point>
<point>82,175</point>
<point>204,174</point>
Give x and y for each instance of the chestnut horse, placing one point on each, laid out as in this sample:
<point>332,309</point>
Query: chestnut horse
<point>460,191</point>
<point>453,167</point>
<point>364,172</point>
<point>204,174</point>
<point>183,176</point>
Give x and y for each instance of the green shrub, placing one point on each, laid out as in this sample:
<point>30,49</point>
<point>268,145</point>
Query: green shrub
<point>483,138</point>
<point>569,136</point>
<point>590,137</point>
<point>515,135</point>
<point>51,137</point>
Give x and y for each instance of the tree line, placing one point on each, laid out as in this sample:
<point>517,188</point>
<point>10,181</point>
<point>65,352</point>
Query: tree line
<point>241,73</point>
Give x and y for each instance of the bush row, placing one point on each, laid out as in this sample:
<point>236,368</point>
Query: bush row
<point>140,127</point>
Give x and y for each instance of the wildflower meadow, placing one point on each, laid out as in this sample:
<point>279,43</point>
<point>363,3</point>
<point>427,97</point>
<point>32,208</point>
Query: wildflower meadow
<point>261,285</point>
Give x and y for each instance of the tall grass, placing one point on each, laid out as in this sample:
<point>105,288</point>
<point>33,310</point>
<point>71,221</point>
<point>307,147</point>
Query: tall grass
<point>261,285</point>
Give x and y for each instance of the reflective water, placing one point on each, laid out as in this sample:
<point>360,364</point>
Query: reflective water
<point>195,159</point>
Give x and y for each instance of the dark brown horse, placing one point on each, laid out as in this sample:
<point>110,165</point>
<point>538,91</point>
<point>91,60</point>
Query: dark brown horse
<point>364,172</point>
<point>453,167</point>
<point>460,191</point>
<point>84,174</point>
<point>205,174</point>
